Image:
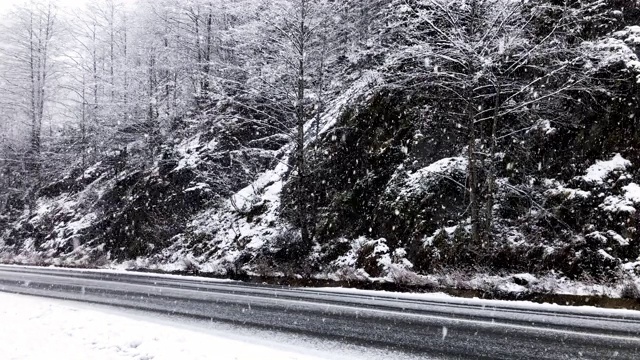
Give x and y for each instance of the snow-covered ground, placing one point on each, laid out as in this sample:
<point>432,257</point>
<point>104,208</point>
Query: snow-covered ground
<point>37,328</point>
<point>44,329</point>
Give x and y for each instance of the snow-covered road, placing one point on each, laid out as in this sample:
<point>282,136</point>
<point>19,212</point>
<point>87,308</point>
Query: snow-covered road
<point>321,323</point>
<point>33,328</point>
<point>36,328</point>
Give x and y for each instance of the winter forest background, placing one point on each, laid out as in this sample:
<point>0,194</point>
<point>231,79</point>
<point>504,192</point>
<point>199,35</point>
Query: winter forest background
<point>452,143</point>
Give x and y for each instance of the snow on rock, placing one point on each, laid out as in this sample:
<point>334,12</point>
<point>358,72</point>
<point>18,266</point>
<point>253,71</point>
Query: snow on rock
<point>617,237</point>
<point>598,172</point>
<point>511,288</point>
<point>617,204</point>
<point>228,229</point>
<point>76,332</point>
<point>568,193</point>
<point>268,184</point>
<point>90,171</point>
<point>610,51</point>
<point>632,192</point>
<point>524,279</point>
<point>83,223</point>
<point>199,186</point>
<point>543,126</point>
<point>449,231</point>
<point>189,155</point>
<point>443,167</point>
<point>630,35</point>
<point>598,236</point>
<point>360,87</point>
<point>605,255</point>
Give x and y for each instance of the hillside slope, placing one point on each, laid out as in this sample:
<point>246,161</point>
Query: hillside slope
<point>559,186</point>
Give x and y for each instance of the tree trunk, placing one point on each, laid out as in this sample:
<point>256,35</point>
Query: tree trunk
<point>35,128</point>
<point>83,126</point>
<point>95,74</point>
<point>302,196</point>
<point>206,66</point>
<point>491,171</point>
<point>196,24</point>
<point>473,177</point>
<point>472,153</point>
<point>111,53</point>
<point>125,73</point>
<point>152,89</point>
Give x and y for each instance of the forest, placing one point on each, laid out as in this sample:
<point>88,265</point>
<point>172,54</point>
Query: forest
<point>473,144</point>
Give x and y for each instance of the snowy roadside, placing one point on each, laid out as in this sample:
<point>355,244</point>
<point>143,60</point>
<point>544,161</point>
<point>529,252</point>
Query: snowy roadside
<point>486,303</point>
<point>36,328</point>
<point>547,290</point>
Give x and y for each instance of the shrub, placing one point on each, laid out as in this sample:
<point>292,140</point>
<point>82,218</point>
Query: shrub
<point>630,290</point>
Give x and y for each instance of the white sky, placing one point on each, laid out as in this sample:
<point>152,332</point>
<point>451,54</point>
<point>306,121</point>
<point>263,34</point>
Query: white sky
<point>6,5</point>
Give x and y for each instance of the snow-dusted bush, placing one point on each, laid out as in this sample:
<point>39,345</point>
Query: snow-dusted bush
<point>630,290</point>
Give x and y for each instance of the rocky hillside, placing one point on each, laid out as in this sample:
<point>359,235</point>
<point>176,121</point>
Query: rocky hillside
<point>540,190</point>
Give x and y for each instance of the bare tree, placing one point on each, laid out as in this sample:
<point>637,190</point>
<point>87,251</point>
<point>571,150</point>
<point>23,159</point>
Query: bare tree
<point>495,75</point>
<point>291,72</point>
<point>29,71</point>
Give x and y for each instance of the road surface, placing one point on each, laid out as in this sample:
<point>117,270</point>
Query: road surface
<point>436,328</point>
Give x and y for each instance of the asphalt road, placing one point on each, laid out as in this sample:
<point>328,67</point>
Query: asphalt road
<point>454,328</point>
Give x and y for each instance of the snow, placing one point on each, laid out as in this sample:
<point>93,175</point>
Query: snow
<point>598,172</point>
<point>446,164</point>
<point>83,223</point>
<point>348,260</point>
<point>361,87</point>
<point>511,288</point>
<point>123,268</point>
<point>632,192</point>
<point>198,186</point>
<point>617,204</point>
<point>597,235</point>
<point>90,171</point>
<point>605,255</point>
<point>630,35</point>
<point>442,167</point>
<point>526,277</point>
<point>74,332</point>
<point>610,51</point>
<point>381,252</point>
<point>568,193</point>
<point>513,304</point>
<point>68,330</point>
<point>270,182</point>
<point>449,231</point>
<point>545,127</point>
<point>617,237</point>
<point>189,156</point>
